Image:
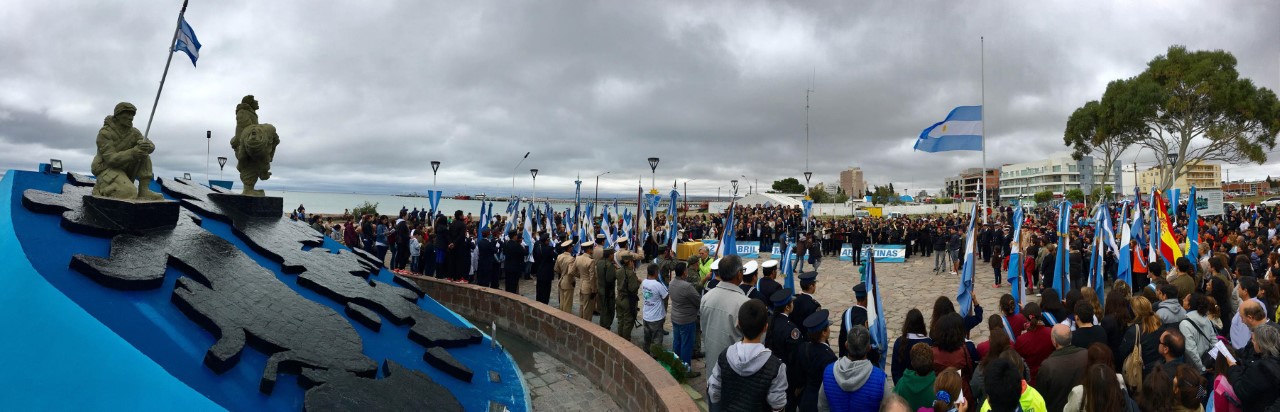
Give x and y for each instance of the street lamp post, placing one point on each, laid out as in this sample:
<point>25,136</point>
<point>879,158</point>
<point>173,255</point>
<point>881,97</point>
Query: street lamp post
<point>653,168</point>
<point>686,195</point>
<point>596,203</point>
<point>734,184</point>
<point>534,173</point>
<point>807,175</point>
<point>513,174</point>
<point>435,167</point>
<point>747,180</point>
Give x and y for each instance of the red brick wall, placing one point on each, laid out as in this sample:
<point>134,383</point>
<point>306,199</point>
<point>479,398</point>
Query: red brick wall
<point>634,380</point>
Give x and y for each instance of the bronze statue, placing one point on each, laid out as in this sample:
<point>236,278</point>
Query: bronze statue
<point>123,157</point>
<point>255,146</point>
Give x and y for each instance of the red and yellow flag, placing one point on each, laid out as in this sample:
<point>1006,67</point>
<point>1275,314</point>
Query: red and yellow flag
<point>1168,246</point>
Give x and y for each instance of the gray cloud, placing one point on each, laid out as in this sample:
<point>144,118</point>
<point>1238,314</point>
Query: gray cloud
<point>365,96</point>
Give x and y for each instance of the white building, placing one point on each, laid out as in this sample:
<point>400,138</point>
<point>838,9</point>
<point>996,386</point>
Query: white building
<point>1057,174</point>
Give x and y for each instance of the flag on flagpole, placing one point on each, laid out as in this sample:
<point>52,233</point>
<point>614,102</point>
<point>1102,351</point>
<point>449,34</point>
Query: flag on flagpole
<point>875,311</point>
<point>964,296</point>
<point>1124,259</point>
<point>1153,236</point>
<point>728,239</point>
<point>961,130</point>
<point>1096,265</point>
<point>1193,228</point>
<point>788,266</point>
<point>187,42</point>
<point>1168,246</point>
<point>808,209</point>
<point>483,223</point>
<point>1060,269</point>
<point>1016,267</point>
<point>673,230</point>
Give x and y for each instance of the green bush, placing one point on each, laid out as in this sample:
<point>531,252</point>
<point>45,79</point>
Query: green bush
<point>365,209</point>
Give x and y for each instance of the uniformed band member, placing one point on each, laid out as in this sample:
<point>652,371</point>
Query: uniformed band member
<point>805,304</point>
<point>811,359</point>
<point>564,265</point>
<point>749,283</point>
<point>606,277</point>
<point>783,335</point>
<point>584,270</point>
<point>855,315</point>
<point>628,295</point>
<point>768,284</point>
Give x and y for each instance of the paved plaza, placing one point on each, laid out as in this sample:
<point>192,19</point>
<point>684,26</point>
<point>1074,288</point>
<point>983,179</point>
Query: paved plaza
<point>903,286</point>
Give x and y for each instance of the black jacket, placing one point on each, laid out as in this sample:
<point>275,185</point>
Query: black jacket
<point>486,262</point>
<point>515,253</point>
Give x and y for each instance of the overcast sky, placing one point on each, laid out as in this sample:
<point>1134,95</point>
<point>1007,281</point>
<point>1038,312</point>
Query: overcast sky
<point>365,94</point>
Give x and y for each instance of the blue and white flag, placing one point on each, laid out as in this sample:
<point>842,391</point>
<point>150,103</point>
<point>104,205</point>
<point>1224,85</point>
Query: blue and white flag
<point>187,42</point>
<point>1101,220</point>
<point>875,311</point>
<point>528,228</point>
<point>808,208</point>
<point>483,223</point>
<point>728,239</point>
<point>433,197</point>
<point>1124,260</point>
<point>961,130</point>
<point>964,296</point>
<point>788,265</point>
<point>673,225</point>
<point>577,205</point>
<point>1062,260</point>
<point>1193,228</point>
<point>1016,267</point>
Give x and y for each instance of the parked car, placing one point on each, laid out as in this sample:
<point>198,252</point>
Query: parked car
<point>1275,201</point>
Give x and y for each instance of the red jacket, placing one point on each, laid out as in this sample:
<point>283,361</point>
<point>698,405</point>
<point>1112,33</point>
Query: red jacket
<point>1035,346</point>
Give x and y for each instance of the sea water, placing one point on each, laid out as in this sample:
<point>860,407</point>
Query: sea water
<point>390,205</point>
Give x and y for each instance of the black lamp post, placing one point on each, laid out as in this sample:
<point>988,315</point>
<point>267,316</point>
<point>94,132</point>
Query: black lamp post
<point>734,184</point>
<point>596,202</point>
<point>222,163</point>
<point>653,168</point>
<point>435,167</point>
<point>807,175</point>
<point>534,173</point>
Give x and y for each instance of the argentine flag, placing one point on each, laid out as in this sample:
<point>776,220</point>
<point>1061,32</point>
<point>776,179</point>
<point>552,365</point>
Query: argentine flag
<point>964,296</point>
<point>961,130</point>
<point>187,42</point>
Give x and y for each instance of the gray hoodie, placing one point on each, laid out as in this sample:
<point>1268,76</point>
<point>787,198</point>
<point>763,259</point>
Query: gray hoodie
<point>851,375</point>
<point>746,359</point>
<point>1170,311</point>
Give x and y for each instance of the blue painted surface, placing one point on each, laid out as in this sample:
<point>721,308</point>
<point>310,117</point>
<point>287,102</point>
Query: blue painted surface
<point>154,326</point>
<point>57,356</point>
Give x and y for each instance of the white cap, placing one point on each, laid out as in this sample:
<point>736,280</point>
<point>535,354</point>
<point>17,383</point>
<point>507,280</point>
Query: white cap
<point>621,239</point>
<point>769,264</point>
<point>715,264</point>
<point>750,268</point>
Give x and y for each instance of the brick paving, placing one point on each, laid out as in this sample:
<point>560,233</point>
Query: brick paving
<point>903,286</point>
<point>554,386</point>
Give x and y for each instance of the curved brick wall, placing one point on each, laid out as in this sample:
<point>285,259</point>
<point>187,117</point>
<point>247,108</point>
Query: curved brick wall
<point>634,380</point>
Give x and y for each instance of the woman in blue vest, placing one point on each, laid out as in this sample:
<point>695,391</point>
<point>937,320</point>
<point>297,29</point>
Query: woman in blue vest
<point>853,383</point>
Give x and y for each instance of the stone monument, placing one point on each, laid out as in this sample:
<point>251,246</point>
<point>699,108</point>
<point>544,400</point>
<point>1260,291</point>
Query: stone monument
<point>255,146</point>
<point>123,157</point>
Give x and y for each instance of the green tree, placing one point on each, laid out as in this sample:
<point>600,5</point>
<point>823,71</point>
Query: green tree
<point>1185,96</point>
<point>1044,196</point>
<point>788,185</point>
<point>819,194</point>
<point>841,197</point>
<point>365,209</point>
<point>1103,192</point>
<point>1089,130</point>
<point>1075,195</point>
<point>883,195</point>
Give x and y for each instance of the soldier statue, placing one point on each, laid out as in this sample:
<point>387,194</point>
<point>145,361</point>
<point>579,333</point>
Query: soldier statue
<point>123,157</point>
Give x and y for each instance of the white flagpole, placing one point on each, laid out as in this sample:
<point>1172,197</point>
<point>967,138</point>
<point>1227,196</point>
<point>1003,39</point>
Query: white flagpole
<point>177,26</point>
<point>983,113</point>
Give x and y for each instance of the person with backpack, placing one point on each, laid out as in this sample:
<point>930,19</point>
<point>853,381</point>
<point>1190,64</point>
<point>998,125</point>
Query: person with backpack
<point>747,376</point>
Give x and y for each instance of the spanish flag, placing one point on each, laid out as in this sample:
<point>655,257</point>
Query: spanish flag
<point>1168,246</point>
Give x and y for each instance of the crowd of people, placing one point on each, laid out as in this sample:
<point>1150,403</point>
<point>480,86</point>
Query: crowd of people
<point>1173,339</point>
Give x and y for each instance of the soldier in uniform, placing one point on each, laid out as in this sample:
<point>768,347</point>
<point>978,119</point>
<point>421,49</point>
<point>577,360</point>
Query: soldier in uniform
<point>606,276</point>
<point>768,284</point>
<point>564,269</point>
<point>805,304</point>
<point>628,296</point>
<point>699,269</point>
<point>811,358</point>
<point>585,271</point>
<point>666,262</point>
<point>638,255</point>
<point>855,315</point>
<point>783,335</point>
<point>749,283</point>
